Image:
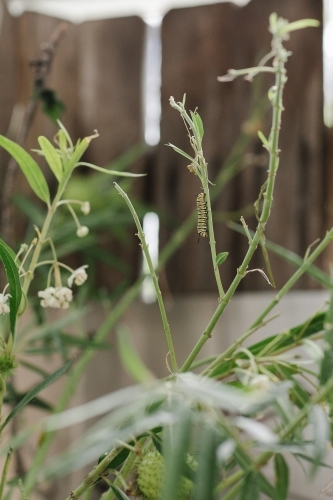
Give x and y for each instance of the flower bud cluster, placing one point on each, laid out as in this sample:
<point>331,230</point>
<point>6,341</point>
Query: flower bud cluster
<point>79,276</point>
<point>56,298</point>
<point>4,307</point>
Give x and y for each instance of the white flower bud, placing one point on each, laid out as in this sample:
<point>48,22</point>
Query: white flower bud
<point>85,207</point>
<point>56,298</point>
<point>82,231</point>
<point>79,276</point>
<point>4,307</point>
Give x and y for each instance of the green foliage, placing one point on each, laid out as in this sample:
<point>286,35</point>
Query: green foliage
<point>6,255</point>
<point>190,435</point>
<point>29,168</point>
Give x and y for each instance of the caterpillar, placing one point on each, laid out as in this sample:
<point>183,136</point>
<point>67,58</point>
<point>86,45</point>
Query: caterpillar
<point>202,216</point>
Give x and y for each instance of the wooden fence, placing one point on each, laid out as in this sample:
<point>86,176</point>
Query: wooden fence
<point>97,72</point>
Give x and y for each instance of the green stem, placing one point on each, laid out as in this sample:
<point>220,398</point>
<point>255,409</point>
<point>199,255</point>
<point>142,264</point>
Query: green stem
<point>268,198</point>
<point>288,285</point>
<point>93,475</point>
<point>231,167</point>
<point>144,247</point>
<point>126,470</point>
<point>5,472</point>
<point>211,235</point>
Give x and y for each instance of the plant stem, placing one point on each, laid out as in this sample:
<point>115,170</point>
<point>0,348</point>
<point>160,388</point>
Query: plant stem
<point>288,285</point>
<point>5,472</point>
<point>285,433</point>
<point>211,235</point>
<point>144,247</point>
<point>280,80</point>
<point>231,167</point>
<point>93,475</point>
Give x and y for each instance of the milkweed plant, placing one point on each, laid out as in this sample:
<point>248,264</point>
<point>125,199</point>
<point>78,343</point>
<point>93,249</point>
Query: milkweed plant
<point>212,425</point>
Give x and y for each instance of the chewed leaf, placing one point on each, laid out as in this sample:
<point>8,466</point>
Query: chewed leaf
<point>181,152</point>
<point>29,167</point>
<point>13,278</point>
<point>198,123</point>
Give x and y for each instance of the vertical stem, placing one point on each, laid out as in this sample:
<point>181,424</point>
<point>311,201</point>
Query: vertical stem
<point>5,472</point>
<point>154,278</point>
<point>280,80</point>
<point>211,235</point>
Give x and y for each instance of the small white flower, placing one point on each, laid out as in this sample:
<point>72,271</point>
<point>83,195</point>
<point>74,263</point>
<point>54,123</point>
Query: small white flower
<point>79,276</point>
<point>4,307</point>
<point>56,298</point>
<point>64,294</point>
<point>260,382</point>
<point>85,207</point>
<point>82,231</point>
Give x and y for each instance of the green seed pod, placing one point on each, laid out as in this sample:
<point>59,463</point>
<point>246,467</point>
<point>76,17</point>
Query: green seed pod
<point>151,477</point>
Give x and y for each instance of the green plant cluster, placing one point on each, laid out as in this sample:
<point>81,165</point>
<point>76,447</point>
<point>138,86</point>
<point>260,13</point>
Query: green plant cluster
<point>208,429</point>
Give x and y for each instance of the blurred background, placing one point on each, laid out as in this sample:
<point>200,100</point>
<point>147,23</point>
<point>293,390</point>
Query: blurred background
<point>111,66</point>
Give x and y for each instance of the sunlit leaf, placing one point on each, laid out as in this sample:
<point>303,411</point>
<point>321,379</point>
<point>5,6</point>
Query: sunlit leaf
<point>29,168</point>
<point>51,157</point>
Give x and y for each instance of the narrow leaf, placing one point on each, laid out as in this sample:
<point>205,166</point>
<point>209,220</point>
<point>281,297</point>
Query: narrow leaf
<point>130,359</point>
<point>281,477</point>
<point>250,489</point>
<point>15,289</point>
<point>198,123</point>
<point>206,473</point>
<point>29,168</point>
<point>263,139</point>
<point>221,257</point>
<point>302,23</point>
<point>51,157</point>
<point>119,494</point>
<point>31,394</point>
<point>321,433</point>
<point>181,152</point>
<point>108,171</point>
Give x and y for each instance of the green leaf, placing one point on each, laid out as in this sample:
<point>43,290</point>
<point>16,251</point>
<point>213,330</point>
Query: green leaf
<point>263,140</point>
<point>130,359</point>
<point>321,433</point>
<point>326,370</point>
<point>206,472</point>
<point>302,23</point>
<point>29,167</point>
<point>181,152</point>
<point>51,157</point>
<point>198,123</point>
<point>36,390</point>
<point>119,494</point>
<point>13,278</point>
<point>266,487</point>
<point>175,446</point>
<point>281,477</point>
<point>221,257</point>
<point>108,171</point>
<point>250,489</point>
